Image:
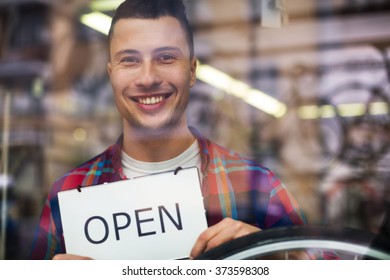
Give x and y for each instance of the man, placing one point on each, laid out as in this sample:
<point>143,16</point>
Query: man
<point>152,68</point>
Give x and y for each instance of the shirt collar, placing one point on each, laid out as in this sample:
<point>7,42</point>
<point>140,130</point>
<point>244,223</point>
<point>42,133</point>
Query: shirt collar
<point>116,156</point>
<point>203,145</point>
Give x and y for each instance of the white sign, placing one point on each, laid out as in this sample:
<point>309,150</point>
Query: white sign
<point>152,217</point>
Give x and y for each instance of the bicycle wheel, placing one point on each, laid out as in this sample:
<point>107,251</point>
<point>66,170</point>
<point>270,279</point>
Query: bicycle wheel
<point>343,243</point>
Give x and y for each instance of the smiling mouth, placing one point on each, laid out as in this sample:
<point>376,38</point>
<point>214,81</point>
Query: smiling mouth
<point>150,100</point>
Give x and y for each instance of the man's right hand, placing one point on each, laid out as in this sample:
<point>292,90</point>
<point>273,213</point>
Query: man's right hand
<point>70,257</point>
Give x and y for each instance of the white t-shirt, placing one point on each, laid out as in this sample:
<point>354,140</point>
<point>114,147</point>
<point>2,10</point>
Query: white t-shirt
<point>134,168</point>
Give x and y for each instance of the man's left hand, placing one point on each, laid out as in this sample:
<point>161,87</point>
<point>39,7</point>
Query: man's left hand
<point>226,230</point>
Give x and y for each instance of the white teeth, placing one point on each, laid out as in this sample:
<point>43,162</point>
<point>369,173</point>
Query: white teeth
<point>150,101</point>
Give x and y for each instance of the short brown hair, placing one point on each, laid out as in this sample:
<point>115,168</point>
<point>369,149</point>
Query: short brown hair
<point>154,9</point>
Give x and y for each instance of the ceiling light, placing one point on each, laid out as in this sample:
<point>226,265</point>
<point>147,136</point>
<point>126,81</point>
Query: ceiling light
<point>352,109</point>
<point>378,108</point>
<point>254,97</point>
<point>105,5</point>
<point>344,110</point>
<point>98,21</point>
<point>308,112</point>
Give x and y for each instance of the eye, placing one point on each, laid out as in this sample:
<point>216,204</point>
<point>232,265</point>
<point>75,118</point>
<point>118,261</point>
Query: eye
<point>166,58</point>
<point>129,60</point>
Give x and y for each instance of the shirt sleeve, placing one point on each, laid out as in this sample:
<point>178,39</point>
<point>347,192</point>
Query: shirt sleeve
<point>47,240</point>
<point>282,208</point>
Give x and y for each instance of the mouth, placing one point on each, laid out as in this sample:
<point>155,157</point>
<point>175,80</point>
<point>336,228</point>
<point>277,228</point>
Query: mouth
<point>150,100</point>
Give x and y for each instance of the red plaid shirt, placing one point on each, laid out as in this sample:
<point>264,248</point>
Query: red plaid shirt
<point>232,186</point>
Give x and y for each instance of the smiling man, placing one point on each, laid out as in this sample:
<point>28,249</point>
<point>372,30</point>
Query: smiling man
<point>151,71</point>
<point>152,68</point>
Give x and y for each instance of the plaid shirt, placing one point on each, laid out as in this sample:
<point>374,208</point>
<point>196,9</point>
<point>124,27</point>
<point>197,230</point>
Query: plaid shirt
<point>232,186</point>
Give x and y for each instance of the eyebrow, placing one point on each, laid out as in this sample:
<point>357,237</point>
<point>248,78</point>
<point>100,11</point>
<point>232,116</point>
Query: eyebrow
<point>124,52</point>
<point>158,50</point>
<point>171,49</point>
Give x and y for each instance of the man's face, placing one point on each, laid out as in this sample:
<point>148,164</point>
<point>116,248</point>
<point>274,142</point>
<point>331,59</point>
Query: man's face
<point>151,73</point>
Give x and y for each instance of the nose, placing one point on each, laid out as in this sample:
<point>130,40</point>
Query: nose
<point>148,76</point>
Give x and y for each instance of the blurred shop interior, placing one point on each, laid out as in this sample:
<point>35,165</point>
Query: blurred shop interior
<point>301,86</point>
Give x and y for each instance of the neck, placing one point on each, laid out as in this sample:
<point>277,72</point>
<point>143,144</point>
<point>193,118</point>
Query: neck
<point>156,147</point>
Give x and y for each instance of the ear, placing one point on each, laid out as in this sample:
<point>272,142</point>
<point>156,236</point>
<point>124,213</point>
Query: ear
<point>109,68</point>
<point>193,67</point>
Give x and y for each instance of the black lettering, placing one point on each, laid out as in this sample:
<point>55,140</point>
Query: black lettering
<point>126,272</point>
<point>177,224</point>
<point>87,233</point>
<point>140,233</point>
<point>114,216</point>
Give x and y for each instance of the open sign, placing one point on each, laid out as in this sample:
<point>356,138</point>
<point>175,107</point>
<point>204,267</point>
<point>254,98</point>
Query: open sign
<point>153,217</point>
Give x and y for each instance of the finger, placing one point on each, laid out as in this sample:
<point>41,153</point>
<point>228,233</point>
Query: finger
<point>201,243</point>
<point>232,229</point>
<point>223,236</point>
<point>214,236</point>
<point>70,257</point>
<point>226,230</point>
